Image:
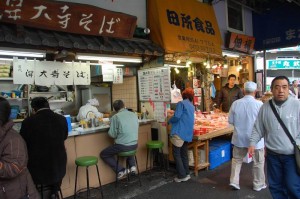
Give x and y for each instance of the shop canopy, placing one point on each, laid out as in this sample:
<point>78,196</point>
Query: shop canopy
<point>184,27</point>
<point>277,28</point>
<point>26,37</point>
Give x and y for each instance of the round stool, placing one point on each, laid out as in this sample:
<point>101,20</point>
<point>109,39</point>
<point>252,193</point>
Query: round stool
<point>87,161</point>
<point>155,144</point>
<point>127,154</point>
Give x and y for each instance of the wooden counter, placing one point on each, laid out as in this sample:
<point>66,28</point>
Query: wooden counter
<point>202,142</point>
<point>91,145</point>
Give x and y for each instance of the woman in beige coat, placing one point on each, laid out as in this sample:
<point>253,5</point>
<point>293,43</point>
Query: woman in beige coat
<point>15,179</point>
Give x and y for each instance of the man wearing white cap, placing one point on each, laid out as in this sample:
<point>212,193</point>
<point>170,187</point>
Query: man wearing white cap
<point>89,110</point>
<point>242,116</point>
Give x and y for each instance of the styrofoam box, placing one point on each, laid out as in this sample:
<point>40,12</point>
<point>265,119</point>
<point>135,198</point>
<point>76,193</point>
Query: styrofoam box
<point>219,152</point>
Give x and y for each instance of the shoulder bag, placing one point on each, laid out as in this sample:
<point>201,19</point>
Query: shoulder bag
<point>296,147</point>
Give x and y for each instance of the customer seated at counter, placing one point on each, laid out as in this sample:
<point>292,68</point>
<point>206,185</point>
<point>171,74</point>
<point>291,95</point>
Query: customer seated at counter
<point>44,133</point>
<point>89,110</point>
<point>124,129</point>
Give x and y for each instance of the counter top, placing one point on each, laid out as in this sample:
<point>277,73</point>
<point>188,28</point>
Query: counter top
<point>102,128</point>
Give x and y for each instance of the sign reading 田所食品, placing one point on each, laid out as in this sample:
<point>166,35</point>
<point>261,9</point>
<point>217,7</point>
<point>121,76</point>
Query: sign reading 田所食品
<point>68,17</point>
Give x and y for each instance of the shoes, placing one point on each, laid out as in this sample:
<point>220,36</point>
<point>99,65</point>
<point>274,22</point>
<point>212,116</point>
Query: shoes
<point>133,170</point>
<point>123,173</point>
<point>188,175</point>
<point>235,186</point>
<point>260,188</point>
<point>182,179</point>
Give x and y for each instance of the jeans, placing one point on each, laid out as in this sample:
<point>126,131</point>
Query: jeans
<point>284,182</point>
<point>108,156</point>
<point>181,159</point>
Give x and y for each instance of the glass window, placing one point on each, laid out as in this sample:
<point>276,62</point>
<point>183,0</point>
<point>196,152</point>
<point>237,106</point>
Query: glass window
<point>235,16</point>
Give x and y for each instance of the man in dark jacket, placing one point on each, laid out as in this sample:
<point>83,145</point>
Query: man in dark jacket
<point>228,94</point>
<point>45,133</point>
<point>295,89</point>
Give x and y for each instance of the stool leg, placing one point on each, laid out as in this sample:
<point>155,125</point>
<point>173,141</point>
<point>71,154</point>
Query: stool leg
<point>75,182</point>
<point>163,161</point>
<point>87,182</point>
<point>137,167</point>
<point>147,159</point>
<point>42,192</point>
<point>61,196</point>
<point>127,169</point>
<point>151,162</point>
<point>117,171</point>
<point>99,181</point>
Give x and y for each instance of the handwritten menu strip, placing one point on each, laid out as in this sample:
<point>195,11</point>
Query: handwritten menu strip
<point>154,84</point>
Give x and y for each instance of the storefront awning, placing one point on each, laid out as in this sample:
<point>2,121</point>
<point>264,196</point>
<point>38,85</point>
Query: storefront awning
<point>26,37</point>
<point>184,27</point>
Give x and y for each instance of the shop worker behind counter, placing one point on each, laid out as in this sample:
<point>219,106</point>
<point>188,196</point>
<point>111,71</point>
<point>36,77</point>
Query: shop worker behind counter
<point>284,182</point>
<point>228,94</point>
<point>15,179</point>
<point>45,133</point>
<point>124,127</point>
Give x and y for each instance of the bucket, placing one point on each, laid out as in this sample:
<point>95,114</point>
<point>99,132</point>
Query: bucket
<point>14,112</point>
<point>68,118</point>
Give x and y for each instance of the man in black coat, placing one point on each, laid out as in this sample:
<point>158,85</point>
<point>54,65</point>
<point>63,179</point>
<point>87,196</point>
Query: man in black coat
<point>44,133</point>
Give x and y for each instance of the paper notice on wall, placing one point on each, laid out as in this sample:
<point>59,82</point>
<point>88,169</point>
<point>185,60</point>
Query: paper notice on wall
<point>82,72</point>
<point>118,76</point>
<point>23,71</point>
<point>108,72</point>
<point>159,111</point>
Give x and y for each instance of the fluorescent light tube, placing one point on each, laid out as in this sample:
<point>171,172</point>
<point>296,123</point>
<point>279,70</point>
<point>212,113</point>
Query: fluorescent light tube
<point>21,53</point>
<point>109,58</point>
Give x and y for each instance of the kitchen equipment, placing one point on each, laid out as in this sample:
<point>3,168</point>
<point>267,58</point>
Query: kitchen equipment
<point>42,88</point>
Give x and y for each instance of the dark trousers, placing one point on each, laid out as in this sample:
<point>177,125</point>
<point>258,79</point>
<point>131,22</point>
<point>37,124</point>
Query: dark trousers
<point>108,155</point>
<point>181,159</point>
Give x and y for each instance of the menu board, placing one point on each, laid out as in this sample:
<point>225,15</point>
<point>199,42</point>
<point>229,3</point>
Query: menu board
<point>154,84</point>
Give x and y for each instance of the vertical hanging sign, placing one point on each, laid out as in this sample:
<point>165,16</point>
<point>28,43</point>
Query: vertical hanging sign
<point>23,71</point>
<point>82,73</point>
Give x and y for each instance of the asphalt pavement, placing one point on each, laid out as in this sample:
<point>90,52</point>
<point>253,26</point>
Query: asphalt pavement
<point>209,184</point>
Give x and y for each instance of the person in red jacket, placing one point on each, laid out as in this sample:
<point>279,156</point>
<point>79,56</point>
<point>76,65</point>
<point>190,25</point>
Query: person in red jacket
<point>15,179</point>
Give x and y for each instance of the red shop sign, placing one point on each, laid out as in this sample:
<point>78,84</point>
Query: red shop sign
<point>243,43</point>
<point>68,17</point>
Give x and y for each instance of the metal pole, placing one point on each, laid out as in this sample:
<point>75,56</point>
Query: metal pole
<point>265,73</point>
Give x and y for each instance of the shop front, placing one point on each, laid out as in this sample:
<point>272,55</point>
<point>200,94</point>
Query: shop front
<point>189,33</point>
<point>277,49</point>
<point>69,52</point>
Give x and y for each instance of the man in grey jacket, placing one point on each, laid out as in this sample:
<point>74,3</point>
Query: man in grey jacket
<point>281,165</point>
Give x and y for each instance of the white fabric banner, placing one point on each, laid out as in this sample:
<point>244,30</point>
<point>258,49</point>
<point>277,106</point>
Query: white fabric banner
<point>23,71</point>
<point>46,72</point>
<point>66,74</point>
<point>82,73</point>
